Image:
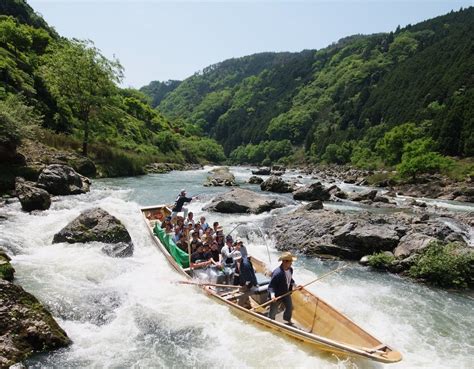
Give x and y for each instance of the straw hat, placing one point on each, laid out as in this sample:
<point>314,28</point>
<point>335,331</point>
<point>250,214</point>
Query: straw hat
<point>286,256</point>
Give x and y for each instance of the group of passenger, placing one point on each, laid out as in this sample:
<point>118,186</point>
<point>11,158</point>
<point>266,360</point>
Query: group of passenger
<point>209,247</point>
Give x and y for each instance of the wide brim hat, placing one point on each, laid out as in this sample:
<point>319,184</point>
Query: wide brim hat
<point>287,256</point>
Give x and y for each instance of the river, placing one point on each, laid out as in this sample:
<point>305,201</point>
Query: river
<point>131,313</point>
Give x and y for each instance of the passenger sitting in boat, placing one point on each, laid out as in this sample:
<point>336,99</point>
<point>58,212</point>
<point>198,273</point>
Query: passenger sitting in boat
<point>246,278</point>
<point>214,226</point>
<point>169,228</point>
<point>220,241</point>
<point>178,233</point>
<point>216,255</point>
<point>195,242</point>
<point>239,246</point>
<point>200,258</point>
<point>197,228</point>
<point>181,243</point>
<point>203,222</point>
<point>165,221</point>
<point>190,218</point>
<point>228,261</point>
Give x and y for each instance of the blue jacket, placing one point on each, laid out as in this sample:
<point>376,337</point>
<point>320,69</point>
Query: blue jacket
<point>278,284</point>
<point>247,274</point>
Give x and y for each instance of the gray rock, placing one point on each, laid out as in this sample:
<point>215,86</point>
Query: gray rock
<point>26,326</point>
<point>97,225</point>
<point>118,250</point>
<point>265,171</point>
<point>364,195</point>
<point>255,180</point>
<point>30,196</point>
<point>314,205</point>
<point>60,179</point>
<point>367,238</point>
<point>412,243</point>
<point>312,192</point>
<point>276,184</point>
<point>220,177</point>
<point>242,201</point>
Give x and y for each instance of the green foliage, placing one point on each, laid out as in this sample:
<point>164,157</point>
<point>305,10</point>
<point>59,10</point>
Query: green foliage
<point>264,153</point>
<point>448,265</point>
<point>339,154</point>
<point>82,81</point>
<point>197,150</point>
<point>17,120</point>
<point>157,91</point>
<point>380,260</point>
<point>418,158</point>
<point>391,145</point>
<point>357,90</point>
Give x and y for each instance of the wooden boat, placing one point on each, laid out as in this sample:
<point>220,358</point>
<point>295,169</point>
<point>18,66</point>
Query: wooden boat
<point>316,322</point>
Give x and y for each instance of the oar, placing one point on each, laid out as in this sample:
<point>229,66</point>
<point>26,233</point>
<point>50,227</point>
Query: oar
<point>307,284</point>
<point>208,284</point>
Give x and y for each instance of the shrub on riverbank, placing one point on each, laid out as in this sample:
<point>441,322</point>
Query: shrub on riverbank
<point>381,260</point>
<point>445,265</point>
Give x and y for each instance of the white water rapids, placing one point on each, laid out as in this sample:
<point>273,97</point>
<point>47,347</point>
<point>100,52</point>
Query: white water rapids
<point>130,313</point>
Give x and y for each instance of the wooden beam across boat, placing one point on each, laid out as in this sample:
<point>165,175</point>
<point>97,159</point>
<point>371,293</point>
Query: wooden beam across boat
<point>316,322</point>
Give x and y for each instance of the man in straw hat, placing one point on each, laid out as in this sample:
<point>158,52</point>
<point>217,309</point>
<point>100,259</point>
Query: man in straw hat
<point>281,283</point>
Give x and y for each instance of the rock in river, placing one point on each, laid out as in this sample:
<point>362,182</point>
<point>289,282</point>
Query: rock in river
<point>243,201</point>
<point>98,225</point>
<point>26,326</point>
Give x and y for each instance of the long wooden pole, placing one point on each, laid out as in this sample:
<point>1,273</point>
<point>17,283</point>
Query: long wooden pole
<point>307,284</point>
<point>208,284</point>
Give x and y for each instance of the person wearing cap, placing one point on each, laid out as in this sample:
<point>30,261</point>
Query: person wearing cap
<point>245,277</point>
<point>179,202</point>
<point>282,282</point>
<point>239,246</point>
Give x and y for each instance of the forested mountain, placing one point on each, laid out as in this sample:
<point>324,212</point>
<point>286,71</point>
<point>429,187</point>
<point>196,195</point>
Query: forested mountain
<point>360,100</point>
<point>66,92</point>
<point>158,90</point>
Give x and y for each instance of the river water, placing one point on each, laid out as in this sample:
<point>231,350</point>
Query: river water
<point>131,313</point>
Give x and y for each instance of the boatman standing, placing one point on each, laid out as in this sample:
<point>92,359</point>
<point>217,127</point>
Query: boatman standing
<point>282,282</point>
<point>178,204</point>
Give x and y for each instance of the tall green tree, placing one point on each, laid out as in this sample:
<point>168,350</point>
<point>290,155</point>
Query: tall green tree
<point>83,81</point>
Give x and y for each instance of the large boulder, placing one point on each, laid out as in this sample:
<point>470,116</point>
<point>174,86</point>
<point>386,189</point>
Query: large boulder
<point>255,180</point>
<point>98,225</point>
<point>363,196</point>
<point>265,171</point>
<point>220,177</point>
<point>312,192</point>
<point>60,179</point>
<point>276,184</point>
<point>412,243</point>
<point>242,201</point>
<point>367,238</point>
<point>26,326</point>
<point>30,196</point>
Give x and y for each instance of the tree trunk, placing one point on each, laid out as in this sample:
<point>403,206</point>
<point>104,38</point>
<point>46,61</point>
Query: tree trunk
<point>85,141</point>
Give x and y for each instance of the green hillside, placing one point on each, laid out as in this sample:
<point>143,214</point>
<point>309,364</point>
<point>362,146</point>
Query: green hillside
<point>65,93</point>
<point>342,103</point>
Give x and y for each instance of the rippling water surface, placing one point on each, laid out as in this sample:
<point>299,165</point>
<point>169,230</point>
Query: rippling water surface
<point>130,313</point>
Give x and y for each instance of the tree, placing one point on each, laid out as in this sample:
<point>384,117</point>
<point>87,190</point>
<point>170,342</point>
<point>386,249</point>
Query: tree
<point>419,158</point>
<point>82,80</point>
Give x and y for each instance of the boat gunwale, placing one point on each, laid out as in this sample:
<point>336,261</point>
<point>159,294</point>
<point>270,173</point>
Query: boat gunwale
<point>302,335</point>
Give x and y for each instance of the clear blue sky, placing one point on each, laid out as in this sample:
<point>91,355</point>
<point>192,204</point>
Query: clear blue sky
<point>159,40</point>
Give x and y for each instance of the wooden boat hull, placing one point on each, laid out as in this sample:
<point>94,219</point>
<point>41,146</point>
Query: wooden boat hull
<point>328,329</point>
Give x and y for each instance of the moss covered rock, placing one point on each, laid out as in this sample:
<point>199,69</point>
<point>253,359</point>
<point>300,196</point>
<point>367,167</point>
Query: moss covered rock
<point>26,326</point>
